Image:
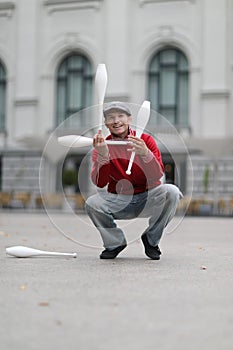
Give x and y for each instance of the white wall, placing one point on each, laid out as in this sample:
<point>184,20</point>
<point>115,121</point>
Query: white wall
<point>124,35</point>
<point>36,35</point>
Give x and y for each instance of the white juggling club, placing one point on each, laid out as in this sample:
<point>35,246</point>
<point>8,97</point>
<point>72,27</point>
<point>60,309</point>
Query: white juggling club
<point>26,252</point>
<point>82,141</point>
<point>101,80</point>
<point>142,119</point>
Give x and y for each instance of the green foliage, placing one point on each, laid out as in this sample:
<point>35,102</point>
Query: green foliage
<point>206,179</point>
<point>69,177</point>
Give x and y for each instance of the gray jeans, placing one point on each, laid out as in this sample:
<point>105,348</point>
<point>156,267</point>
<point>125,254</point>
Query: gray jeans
<point>158,204</point>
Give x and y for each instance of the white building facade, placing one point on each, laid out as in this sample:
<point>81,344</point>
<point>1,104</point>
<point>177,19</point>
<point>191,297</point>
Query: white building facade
<point>176,53</point>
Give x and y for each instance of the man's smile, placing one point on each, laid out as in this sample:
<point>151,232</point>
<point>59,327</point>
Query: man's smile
<point>117,126</point>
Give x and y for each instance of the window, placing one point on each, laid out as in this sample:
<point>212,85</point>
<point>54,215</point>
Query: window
<point>74,86</point>
<point>2,98</point>
<point>168,85</point>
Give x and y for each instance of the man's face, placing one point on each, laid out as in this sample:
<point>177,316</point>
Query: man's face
<point>117,122</point>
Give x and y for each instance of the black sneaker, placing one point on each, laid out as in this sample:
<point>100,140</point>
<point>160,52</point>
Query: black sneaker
<point>112,253</point>
<point>152,252</point>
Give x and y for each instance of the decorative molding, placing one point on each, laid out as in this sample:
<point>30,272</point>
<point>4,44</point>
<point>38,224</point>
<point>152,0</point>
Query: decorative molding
<point>68,5</point>
<point>215,93</point>
<point>116,97</point>
<point>64,44</point>
<point>166,31</point>
<point>71,40</point>
<point>25,102</point>
<point>7,8</point>
<point>160,37</point>
<point>146,2</point>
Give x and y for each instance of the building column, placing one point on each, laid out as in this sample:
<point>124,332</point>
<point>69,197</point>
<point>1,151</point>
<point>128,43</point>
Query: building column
<point>115,44</point>
<point>214,93</point>
<point>26,97</point>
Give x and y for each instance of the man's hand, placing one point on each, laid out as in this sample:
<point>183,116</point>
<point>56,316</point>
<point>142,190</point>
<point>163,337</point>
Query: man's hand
<point>100,144</point>
<point>138,145</point>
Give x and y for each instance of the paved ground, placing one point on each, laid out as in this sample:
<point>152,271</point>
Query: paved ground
<point>128,303</point>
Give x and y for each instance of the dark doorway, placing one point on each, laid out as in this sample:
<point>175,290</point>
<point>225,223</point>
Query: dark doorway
<point>169,168</point>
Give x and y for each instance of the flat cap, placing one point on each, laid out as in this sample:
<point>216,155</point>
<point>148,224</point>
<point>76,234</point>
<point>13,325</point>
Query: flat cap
<point>117,105</point>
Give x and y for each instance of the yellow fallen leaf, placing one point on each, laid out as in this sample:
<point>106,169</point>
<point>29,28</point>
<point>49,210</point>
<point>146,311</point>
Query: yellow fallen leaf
<point>23,287</point>
<point>43,303</point>
<point>4,234</point>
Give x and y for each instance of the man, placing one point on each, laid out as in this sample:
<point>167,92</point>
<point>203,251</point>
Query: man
<point>129,196</point>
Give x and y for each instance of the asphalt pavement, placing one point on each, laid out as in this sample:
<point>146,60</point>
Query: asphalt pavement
<point>184,301</point>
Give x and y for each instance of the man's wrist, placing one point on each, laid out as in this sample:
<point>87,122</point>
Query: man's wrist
<point>148,157</point>
<point>145,154</point>
<point>103,158</point>
<point>105,155</point>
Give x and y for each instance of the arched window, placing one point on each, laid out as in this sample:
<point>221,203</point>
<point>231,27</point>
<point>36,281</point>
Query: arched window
<point>74,86</point>
<point>2,98</point>
<point>168,85</point>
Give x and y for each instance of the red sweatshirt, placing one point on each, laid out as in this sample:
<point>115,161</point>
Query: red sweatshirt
<point>145,174</point>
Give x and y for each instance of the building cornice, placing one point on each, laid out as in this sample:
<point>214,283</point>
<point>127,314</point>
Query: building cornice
<point>215,93</point>
<point>67,5</point>
<point>26,102</point>
<point>146,2</point>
